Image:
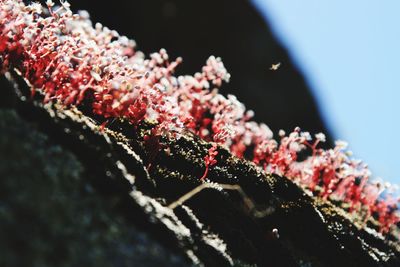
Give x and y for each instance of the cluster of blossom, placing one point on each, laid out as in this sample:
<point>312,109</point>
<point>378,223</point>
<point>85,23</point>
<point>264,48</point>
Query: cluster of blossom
<point>330,173</point>
<point>68,60</point>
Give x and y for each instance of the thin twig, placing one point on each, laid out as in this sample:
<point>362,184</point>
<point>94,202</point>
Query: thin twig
<point>247,201</point>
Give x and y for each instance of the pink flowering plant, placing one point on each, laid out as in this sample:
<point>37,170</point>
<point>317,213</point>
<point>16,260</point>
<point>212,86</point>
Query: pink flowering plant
<point>68,60</point>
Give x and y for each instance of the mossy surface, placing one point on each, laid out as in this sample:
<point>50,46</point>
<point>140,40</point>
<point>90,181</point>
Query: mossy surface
<point>124,185</point>
<point>52,215</point>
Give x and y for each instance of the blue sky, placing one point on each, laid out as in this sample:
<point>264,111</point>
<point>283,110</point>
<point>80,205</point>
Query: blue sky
<point>349,52</point>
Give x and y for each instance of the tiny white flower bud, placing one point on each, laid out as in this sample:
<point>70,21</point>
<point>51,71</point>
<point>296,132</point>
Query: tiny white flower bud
<point>49,3</point>
<point>321,137</point>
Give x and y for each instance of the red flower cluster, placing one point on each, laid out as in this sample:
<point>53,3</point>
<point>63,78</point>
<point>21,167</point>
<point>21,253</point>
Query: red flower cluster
<point>68,60</point>
<point>209,159</point>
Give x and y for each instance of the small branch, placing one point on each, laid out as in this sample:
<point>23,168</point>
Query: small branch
<point>247,201</point>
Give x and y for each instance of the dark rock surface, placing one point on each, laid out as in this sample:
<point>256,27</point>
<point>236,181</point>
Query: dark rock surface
<point>72,195</point>
<point>53,213</point>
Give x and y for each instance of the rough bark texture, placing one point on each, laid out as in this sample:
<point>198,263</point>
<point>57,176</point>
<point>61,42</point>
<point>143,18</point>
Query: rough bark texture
<point>74,195</point>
